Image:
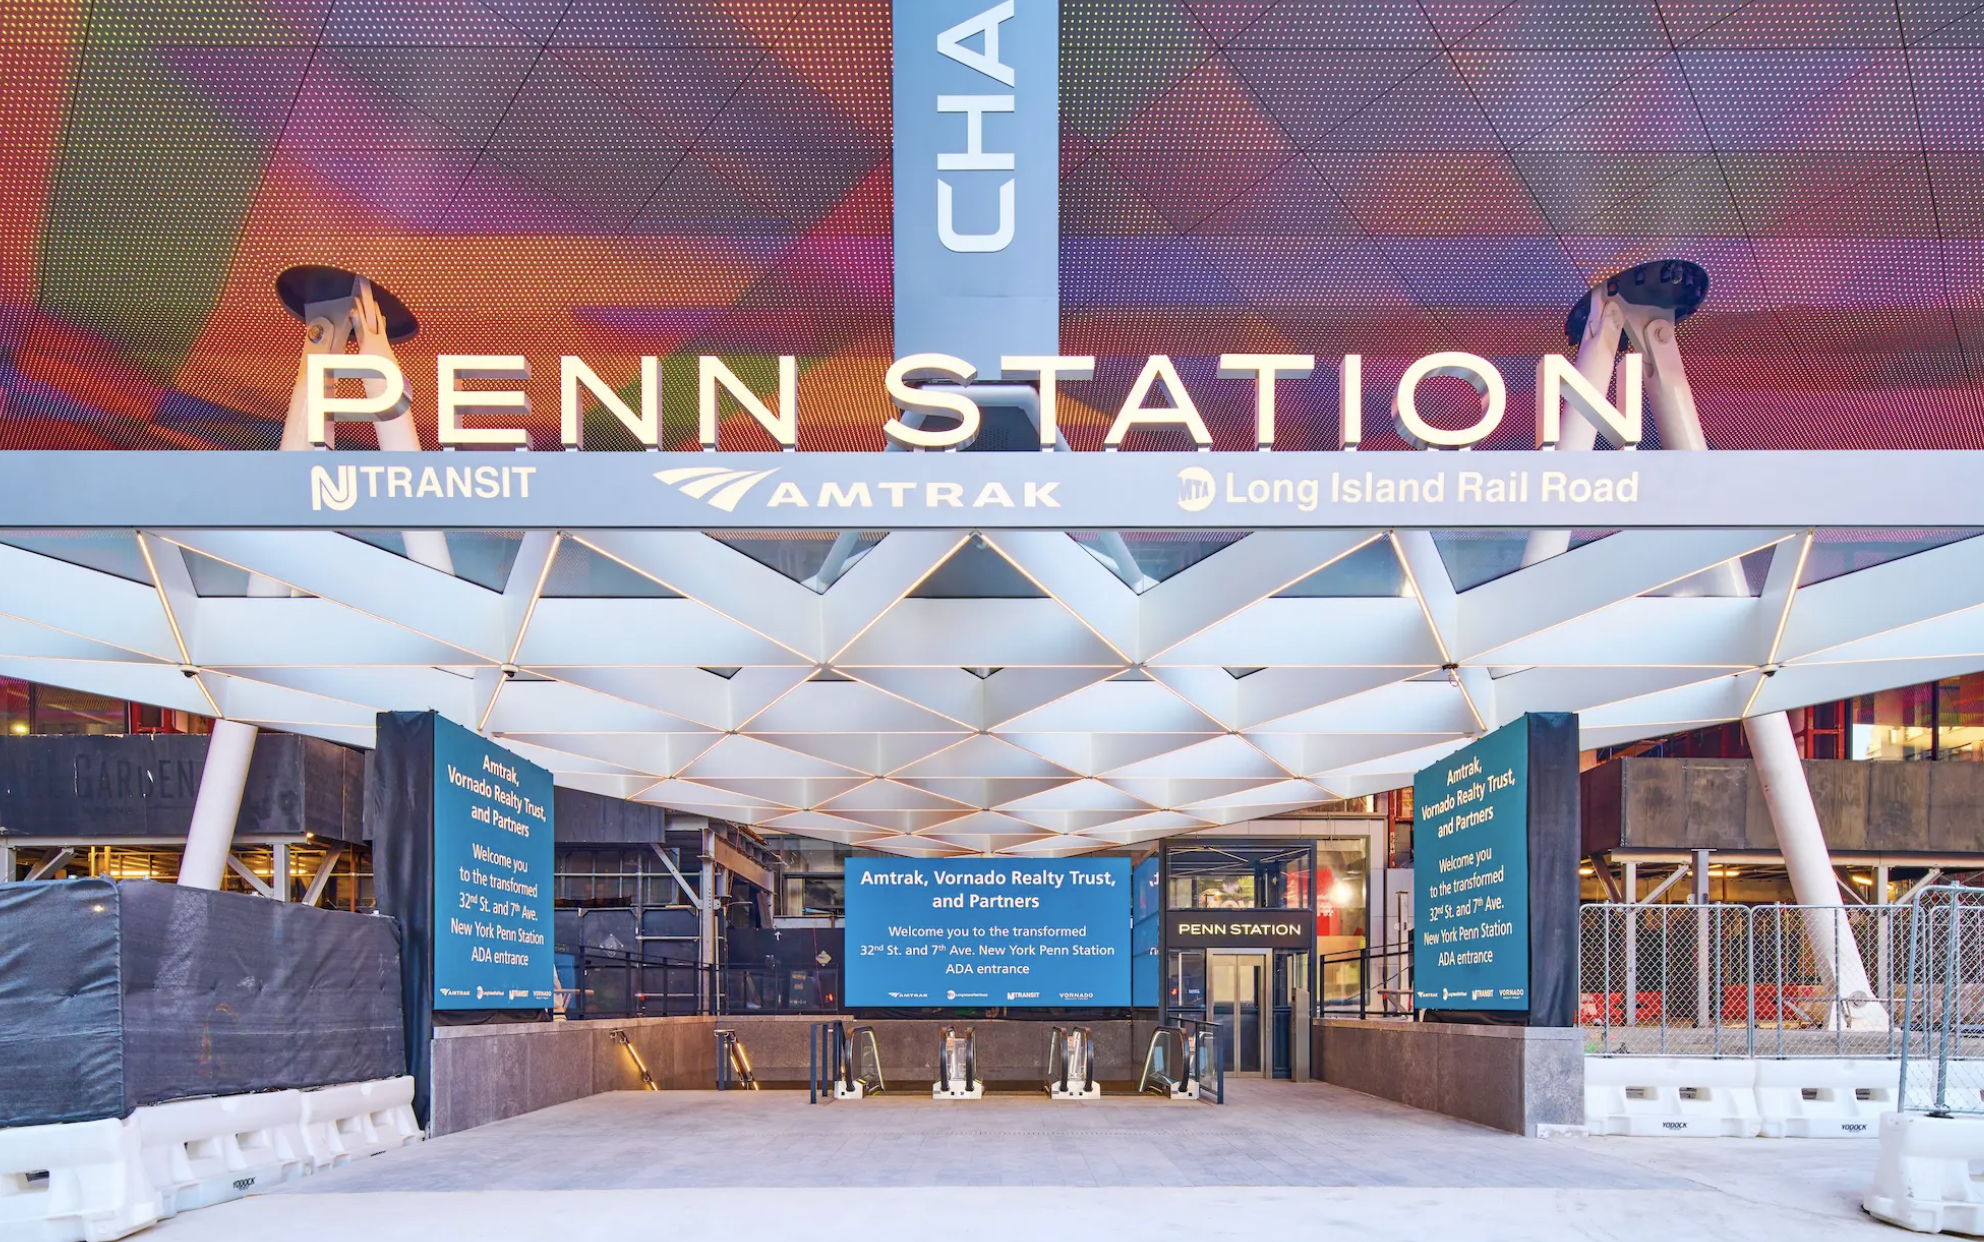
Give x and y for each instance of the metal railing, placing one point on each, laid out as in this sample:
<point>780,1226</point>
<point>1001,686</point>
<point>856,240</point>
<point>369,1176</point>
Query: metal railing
<point>1942,1063</point>
<point>733,1062</point>
<point>1743,981</point>
<point>1208,1061</point>
<point>1382,985</point>
<point>826,1060</point>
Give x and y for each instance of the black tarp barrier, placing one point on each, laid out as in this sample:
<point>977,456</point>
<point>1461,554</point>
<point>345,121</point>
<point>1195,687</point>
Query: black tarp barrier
<point>1554,838</point>
<point>118,995</point>
<point>399,821</point>
<point>61,1046</point>
<point>144,785</point>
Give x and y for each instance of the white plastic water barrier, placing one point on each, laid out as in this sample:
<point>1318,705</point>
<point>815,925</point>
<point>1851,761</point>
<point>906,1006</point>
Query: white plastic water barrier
<point>1832,1098</point>
<point>82,1181</point>
<point>1651,1096</point>
<point>92,1181</point>
<point>343,1123</point>
<point>202,1152</point>
<point>1922,1180</point>
<point>1838,1097</point>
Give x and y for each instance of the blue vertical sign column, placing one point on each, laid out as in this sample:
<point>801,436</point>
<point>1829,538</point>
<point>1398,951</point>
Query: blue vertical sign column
<point>492,875</point>
<point>1146,934</point>
<point>977,179</point>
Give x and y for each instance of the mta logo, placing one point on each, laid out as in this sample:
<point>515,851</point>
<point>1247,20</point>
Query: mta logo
<point>713,485</point>
<point>1194,488</point>
<point>340,494</point>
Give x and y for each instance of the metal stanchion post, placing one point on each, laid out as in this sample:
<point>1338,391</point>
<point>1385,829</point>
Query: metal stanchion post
<point>1605,1007</point>
<point>1632,944</point>
<point>1750,979</point>
<point>1702,963</point>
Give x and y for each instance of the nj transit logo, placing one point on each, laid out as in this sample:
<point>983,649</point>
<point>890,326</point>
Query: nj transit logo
<point>338,488</point>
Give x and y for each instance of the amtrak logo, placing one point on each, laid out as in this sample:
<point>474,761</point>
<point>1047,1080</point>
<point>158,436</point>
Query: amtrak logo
<point>1195,488</point>
<point>728,486</point>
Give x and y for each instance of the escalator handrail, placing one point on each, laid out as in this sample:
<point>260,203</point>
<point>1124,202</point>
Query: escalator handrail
<point>970,1058</point>
<point>854,1036</point>
<point>1150,1056</point>
<point>1087,1038</point>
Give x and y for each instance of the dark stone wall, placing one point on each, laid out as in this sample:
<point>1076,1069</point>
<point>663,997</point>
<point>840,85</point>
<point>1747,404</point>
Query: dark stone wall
<point>1513,1078</point>
<point>486,1073</point>
<point>1867,807</point>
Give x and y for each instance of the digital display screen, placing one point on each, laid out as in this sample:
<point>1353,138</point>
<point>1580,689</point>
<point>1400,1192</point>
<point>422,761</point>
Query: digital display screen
<point>1470,844</point>
<point>492,875</point>
<point>989,932</point>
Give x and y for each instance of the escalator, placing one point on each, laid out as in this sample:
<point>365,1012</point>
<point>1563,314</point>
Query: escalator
<point>1184,1063</point>
<point>844,1063</point>
<point>1071,1064</point>
<point>957,1066</point>
<point>860,1066</point>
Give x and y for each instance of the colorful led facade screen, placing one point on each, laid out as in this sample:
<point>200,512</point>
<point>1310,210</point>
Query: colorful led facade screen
<point>1382,177</point>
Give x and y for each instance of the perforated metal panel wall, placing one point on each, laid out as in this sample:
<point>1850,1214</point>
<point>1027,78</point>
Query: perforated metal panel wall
<point>670,177</point>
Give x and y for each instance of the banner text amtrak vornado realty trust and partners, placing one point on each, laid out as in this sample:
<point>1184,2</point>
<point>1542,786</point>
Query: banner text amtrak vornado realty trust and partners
<point>994,932</point>
<point>1041,877</point>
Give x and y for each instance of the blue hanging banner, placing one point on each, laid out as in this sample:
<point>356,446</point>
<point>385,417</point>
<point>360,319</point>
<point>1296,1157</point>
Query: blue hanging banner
<point>977,179</point>
<point>492,875</point>
<point>980,933</point>
<point>1470,844</point>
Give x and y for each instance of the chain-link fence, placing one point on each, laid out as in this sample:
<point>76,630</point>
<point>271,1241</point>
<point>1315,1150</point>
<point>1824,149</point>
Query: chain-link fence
<point>1944,1006</point>
<point>1746,981</point>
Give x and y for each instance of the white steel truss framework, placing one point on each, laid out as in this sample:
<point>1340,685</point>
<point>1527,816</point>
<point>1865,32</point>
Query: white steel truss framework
<point>1067,713</point>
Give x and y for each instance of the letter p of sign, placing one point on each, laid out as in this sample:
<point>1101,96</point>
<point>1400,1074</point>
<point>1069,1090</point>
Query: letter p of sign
<point>385,396</point>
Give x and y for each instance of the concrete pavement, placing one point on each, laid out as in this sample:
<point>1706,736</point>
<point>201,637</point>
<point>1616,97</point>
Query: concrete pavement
<point>1278,1157</point>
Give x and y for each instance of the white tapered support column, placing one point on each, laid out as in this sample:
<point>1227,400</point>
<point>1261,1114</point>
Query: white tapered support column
<point>1809,862</point>
<point>1598,350</point>
<point>346,311</point>
<point>218,804</point>
<point>423,547</point>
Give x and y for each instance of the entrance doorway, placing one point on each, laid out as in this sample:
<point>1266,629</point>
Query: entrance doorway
<point>1239,994</point>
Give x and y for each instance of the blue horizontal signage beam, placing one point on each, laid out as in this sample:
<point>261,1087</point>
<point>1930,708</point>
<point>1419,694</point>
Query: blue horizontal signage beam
<point>1042,491</point>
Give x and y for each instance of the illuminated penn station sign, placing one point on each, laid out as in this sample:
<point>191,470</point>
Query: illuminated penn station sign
<point>937,388</point>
